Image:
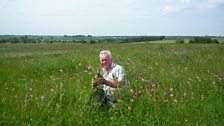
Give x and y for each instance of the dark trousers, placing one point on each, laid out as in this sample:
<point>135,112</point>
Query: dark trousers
<point>100,95</point>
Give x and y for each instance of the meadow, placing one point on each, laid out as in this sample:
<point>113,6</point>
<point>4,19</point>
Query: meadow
<point>169,84</point>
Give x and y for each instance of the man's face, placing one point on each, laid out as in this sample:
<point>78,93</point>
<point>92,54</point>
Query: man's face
<point>105,61</point>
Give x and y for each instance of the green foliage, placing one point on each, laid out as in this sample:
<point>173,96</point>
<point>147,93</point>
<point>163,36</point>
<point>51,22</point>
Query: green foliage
<point>169,84</point>
<point>179,40</point>
<point>142,38</point>
<point>76,39</point>
<point>203,40</point>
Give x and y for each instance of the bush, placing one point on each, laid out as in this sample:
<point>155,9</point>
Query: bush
<point>179,40</point>
<point>215,41</point>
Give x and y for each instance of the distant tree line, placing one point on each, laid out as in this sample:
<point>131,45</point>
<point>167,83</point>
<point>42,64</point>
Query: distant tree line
<point>77,36</point>
<point>203,40</point>
<point>21,39</point>
<point>142,38</point>
<point>89,39</point>
<point>199,40</point>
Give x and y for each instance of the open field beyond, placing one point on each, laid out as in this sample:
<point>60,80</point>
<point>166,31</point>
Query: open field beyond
<point>169,84</point>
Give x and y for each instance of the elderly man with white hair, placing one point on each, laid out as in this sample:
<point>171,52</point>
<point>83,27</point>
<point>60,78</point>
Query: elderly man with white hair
<point>112,78</point>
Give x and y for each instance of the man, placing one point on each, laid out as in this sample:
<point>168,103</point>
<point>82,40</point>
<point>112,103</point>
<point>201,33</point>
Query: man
<point>112,79</point>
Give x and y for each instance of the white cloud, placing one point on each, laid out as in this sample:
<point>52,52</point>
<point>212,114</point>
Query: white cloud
<point>168,10</point>
<point>183,6</point>
<point>212,4</point>
<point>186,1</point>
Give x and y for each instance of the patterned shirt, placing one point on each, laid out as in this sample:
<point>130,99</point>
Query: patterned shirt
<point>116,73</point>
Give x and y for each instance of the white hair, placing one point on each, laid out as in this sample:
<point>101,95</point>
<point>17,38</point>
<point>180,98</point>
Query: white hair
<point>106,52</point>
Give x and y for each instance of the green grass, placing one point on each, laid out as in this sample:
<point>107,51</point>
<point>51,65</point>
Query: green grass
<point>49,84</point>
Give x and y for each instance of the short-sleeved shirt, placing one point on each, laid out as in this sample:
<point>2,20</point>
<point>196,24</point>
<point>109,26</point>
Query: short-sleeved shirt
<point>116,73</point>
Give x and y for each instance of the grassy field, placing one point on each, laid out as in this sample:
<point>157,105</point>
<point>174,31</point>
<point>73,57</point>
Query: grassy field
<point>169,84</point>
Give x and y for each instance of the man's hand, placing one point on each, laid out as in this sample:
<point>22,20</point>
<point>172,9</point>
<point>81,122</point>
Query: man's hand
<point>111,83</point>
<point>101,80</point>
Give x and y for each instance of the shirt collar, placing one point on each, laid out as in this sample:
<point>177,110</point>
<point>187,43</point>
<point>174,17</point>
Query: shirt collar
<point>111,67</point>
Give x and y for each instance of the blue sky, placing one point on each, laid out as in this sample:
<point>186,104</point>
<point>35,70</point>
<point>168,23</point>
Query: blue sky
<point>112,17</point>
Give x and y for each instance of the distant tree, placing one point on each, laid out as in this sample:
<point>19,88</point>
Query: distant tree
<point>3,41</point>
<point>83,41</point>
<point>79,36</point>
<point>92,42</point>
<point>15,40</point>
<point>215,41</point>
<point>24,39</point>
<point>179,40</point>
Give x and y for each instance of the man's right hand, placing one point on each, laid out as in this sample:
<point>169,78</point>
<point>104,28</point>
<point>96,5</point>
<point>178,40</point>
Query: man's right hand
<point>101,80</point>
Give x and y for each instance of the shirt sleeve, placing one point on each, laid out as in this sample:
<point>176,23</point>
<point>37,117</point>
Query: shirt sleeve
<point>121,76</point>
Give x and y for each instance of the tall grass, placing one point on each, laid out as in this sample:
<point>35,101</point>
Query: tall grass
<point>169,84</point>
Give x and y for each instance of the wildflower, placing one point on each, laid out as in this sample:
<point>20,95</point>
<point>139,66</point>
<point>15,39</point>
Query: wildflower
<point>61,70</point>
<point>113,106</point>
<point>119,100</point>
<point>31,96</point>
<point>140,87</point>
<point>30,89</point>
<point>155,98</point>
<point>129,108</point>
<point>151,92</point>
<point>52,89</point>
<point>192,93</point>
<point>171,92</point>
<point>89,67</point>
<point>132,100</point>
<point>175,100</point>
<point>165,100</point>
<point>153,86</point>
<point>61,85</point>
<point>42,98</point>
<point>132,90</point>
<point>53,78</point>
<point>140,91</point>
